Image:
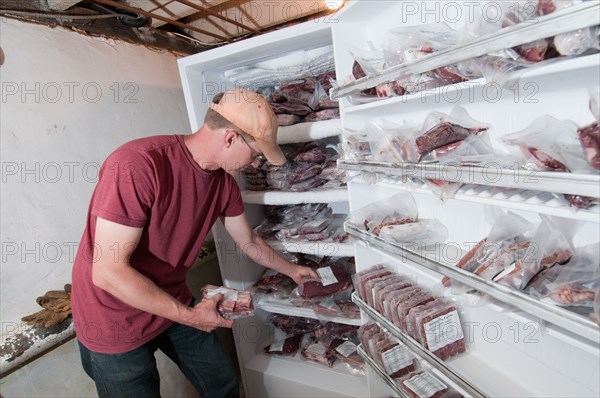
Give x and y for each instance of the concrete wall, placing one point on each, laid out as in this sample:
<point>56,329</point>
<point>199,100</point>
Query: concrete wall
<point>67,101</point>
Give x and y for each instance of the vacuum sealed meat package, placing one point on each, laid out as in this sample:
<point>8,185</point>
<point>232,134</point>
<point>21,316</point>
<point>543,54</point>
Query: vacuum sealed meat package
<point>234,305</point>
<point>398,209</point>
<point>287,346</point>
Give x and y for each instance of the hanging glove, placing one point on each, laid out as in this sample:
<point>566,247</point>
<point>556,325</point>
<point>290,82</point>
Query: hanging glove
<point>56,306</point>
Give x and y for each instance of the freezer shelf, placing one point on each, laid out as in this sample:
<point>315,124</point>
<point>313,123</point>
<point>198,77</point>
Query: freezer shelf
<point>284,307</point>
<point>561,317</point>
<point>419,351</point>
<point>295,198</point>
<point>336,381</point>
<point>532,201</point>
<point>311,131</point>
<point>318,248</point>
<point>574,184</point>
<point>570,19</point>
<point>458,90</point>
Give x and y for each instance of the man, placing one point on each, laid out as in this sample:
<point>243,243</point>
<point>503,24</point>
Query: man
<point>155,201</point>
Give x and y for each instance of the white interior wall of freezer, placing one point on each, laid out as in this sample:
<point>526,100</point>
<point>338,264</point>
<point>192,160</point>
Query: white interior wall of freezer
<point>67,101</point>
<point>203,76</point>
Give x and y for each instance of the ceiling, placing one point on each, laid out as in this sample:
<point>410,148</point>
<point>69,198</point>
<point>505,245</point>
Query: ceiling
<point>182,26</point>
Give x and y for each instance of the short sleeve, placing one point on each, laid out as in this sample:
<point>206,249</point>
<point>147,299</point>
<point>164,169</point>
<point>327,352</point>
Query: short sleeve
<point>125,190</point>
<point>235,204</point>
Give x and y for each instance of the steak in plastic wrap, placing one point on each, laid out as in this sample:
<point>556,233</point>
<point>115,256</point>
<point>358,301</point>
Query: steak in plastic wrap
<point>334,278</point>
<point>590,142</point>
<point>273,281</point>
<point>290,108</point>
<point>289,346</point>
<point>325,114</point>
<point>294,324</point>
<point>441,135</point>
<point>358,73</point>
<point>234,305</point>
<point>325,80</point>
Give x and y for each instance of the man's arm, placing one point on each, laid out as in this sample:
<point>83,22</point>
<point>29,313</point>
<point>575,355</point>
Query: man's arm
<point>113,246</point>
<point>255,248</point>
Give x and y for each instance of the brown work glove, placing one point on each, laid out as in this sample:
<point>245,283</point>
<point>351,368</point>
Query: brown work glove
<point>56,306</point>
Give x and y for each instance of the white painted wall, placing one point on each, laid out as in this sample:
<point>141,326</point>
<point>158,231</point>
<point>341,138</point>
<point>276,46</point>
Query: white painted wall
<point>67,101</point>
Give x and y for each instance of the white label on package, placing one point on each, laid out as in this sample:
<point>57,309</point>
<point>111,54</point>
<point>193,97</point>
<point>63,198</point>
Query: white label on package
<point>228,294</point>
<point>277,346</point>
<point>316,349</point>
<point>396,358</point>
<point>326,275</point>
<point>443,330</point>
<point>346,349</point>
<point>424,385</point>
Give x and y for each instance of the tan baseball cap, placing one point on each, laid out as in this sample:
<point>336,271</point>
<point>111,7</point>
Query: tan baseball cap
<point>251,113</point>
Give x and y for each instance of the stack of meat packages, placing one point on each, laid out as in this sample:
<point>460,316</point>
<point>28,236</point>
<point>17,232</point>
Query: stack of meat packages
<point>234,305</point>
<point>323,343</point>
<point>309,166</point>
<point>397,361</point>
<point>431,321</point>
<point>306,222</point>
<point>304,100</point>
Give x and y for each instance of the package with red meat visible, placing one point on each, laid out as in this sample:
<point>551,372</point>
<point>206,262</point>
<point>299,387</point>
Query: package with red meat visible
<point>334,277</point>
<point>387,292</point>
<point>274,282</point>
<point>419,299</point>
<point>347,353</point>
<point>550,245</point>
<point>362,277</point>
<point>234,305</point>
<point>318,352</point>
<point>402,296</point>
<point>440,331</point>
<point>440,130</point>
<point>577,282</point>
<point>288,346</point>
<point>384,285</point>
<point>500,249</point>
<point>395,142</point>
<point>422,232</point>
<point>411,327</point>
<point>548,144</point>
<point>423,385</point>
<point>398,209</point>
<point>292,325</point>
<point>396,359</point>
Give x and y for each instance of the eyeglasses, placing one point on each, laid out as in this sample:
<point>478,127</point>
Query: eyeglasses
<point>255,154</point>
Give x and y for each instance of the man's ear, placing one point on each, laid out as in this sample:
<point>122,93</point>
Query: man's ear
<point>230,136</point>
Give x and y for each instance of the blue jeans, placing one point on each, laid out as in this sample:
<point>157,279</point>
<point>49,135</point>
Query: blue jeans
<point>133,374</point>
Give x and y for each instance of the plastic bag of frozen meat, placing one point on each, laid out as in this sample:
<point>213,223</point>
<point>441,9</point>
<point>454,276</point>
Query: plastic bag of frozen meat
<point>442,133</point>
<point>334,278</point>
<point>420,233</point>
<point>392,142</point>
<point>577,282</point>
<point>287,346</point>
<point>398,209</point>
<point>507,242</point>
<point>546,144</point>
<point>549,246</point>
<point>234,305</point>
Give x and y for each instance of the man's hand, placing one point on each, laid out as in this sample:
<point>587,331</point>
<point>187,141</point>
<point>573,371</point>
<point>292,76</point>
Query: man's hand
<point>206,317</point>
<point>301,274</point>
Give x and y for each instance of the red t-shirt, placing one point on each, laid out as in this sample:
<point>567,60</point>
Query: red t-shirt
<point>151,183</point>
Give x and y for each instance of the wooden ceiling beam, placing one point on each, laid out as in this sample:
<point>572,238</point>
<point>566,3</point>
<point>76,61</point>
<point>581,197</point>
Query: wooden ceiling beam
<point>161,18</point>
<point>217,15</point>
